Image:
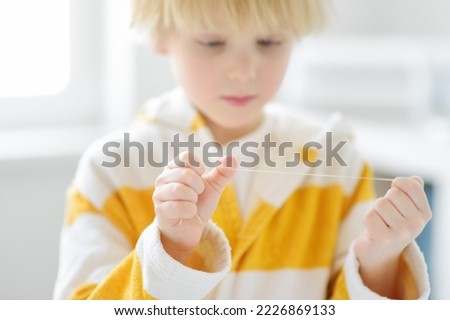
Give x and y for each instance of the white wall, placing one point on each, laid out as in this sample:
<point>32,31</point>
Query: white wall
<point>32,197</point>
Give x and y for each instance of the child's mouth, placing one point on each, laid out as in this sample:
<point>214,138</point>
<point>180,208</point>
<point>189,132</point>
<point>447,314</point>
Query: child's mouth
<point>238,101</point>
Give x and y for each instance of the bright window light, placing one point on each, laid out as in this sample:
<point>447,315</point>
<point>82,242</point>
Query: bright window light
<point>34,47</point>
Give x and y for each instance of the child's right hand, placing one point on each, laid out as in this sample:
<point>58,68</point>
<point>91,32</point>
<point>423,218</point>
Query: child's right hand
<point>185,199</point>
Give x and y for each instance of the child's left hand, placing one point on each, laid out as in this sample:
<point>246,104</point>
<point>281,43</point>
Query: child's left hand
<point>393,223</point>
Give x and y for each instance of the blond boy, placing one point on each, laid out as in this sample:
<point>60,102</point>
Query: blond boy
<point>270,232</point>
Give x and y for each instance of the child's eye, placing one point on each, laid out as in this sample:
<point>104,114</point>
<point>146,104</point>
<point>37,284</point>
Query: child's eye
<point>268,43</point>
<point>212,44</point>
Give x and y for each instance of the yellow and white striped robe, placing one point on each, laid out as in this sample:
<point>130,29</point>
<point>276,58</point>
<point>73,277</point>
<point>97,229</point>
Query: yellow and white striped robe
<point>294,243</point>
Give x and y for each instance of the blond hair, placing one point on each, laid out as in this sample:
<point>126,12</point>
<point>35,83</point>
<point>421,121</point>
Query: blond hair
<point>157,17</point>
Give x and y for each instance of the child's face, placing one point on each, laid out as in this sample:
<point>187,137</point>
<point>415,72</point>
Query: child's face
<point>228,76</point>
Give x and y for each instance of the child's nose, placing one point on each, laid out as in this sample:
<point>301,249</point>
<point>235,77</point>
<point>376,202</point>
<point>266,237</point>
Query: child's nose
<point>242,67</point>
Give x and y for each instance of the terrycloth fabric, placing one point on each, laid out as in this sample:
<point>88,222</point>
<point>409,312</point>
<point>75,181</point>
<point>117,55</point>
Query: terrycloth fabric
<point>275,236</point>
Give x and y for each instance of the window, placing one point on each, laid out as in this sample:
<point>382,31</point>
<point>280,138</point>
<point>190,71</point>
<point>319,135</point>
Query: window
<point>35,59</point>
<point>50,62</point>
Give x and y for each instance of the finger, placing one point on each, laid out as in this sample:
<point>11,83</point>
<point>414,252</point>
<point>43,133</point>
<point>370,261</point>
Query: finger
<point>187,160</point>
<point>185,176</point>
<point>220,176</point>
<point>402,202</point>
<point>374,225</point>
<point>175,191</point>
<point>414,190</point>
<point>426,210</point>
<point>175,210</point>
<point>419,180</point>
<point>388,213</point>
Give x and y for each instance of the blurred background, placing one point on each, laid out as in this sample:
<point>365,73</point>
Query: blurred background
<point>70,72</point>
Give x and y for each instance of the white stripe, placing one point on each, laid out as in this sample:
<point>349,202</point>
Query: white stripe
<point>91,247</point>
<point>97,182</point>
<point>279,284</point>
<point>349,229</point>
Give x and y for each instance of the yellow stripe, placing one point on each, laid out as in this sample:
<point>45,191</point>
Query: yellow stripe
<point>406,285</point>
<point>130,210</point>
<point>251,231</point>
<point>198,123</point>
<point>77,203</point>
<point>338,288</point>
<point>124,283</point>
<point>83,291</point>
<point>301,234</point>
<point>227,215</point>
<point>363,191</point>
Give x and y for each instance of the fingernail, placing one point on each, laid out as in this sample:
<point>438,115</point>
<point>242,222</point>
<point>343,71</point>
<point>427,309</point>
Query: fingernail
<point>419,180</point>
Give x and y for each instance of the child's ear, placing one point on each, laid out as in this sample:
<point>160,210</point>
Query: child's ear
<point>160,45</point>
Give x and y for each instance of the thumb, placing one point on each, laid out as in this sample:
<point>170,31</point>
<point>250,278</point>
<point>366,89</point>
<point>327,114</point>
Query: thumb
<point>220,176</point>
